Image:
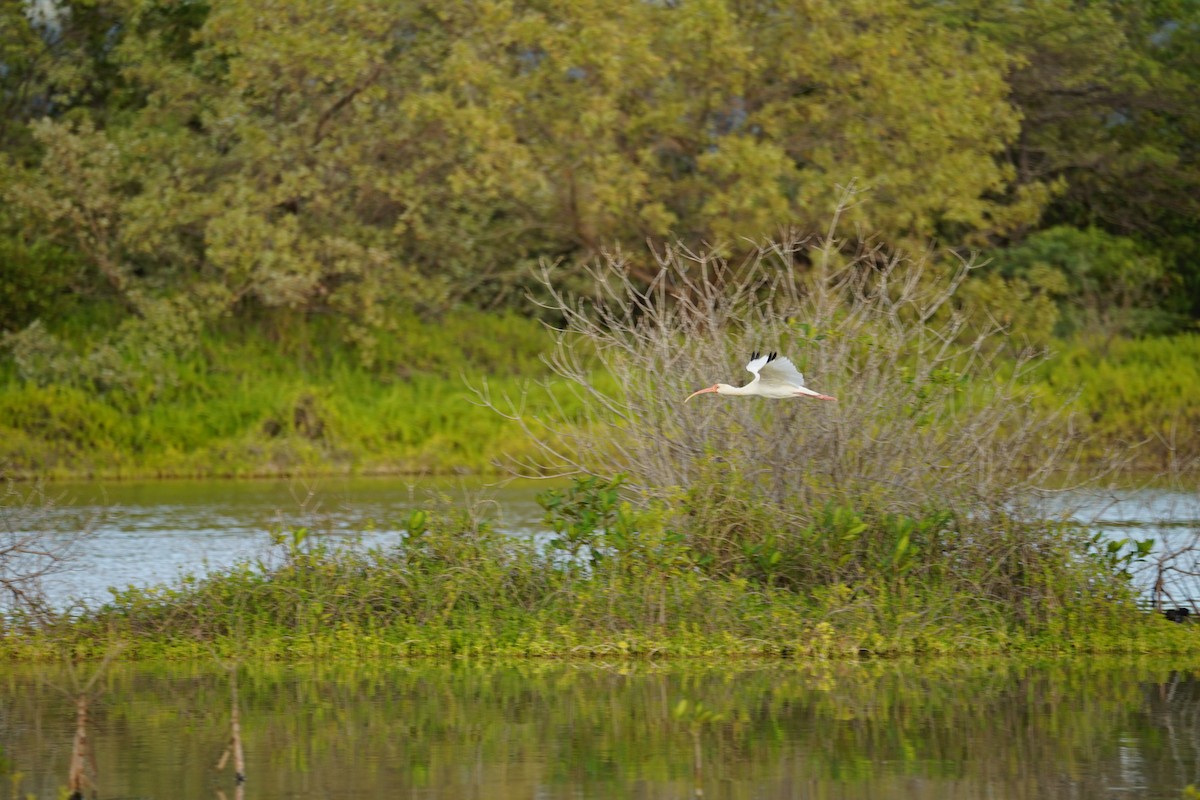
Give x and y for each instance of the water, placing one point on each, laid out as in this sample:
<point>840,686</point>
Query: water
<point>1170,517</point>
<point>151,532</point>
<point>1090,729</point>
<point>1095,728</point>
<point>145,533</point>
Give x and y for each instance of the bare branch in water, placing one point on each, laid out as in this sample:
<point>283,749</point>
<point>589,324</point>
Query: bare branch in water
<point>31,549</point>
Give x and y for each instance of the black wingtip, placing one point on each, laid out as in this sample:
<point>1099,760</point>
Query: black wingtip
<point>754,355</point>
<point>771,357</point>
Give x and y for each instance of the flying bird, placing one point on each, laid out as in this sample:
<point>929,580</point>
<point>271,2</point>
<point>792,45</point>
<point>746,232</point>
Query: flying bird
<point>773,377</point>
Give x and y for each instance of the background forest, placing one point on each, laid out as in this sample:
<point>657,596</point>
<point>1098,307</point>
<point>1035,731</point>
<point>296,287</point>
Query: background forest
<point>198,196</point>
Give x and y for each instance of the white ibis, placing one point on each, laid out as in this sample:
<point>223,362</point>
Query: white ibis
<point>773,377</point>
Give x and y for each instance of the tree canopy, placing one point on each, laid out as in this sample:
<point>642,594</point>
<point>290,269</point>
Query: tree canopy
<point>176,161</point>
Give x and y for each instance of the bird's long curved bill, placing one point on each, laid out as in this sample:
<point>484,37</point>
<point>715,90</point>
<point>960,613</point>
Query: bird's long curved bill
<point>700,391</point>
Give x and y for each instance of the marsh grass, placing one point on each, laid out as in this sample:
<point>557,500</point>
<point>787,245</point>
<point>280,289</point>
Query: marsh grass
<point>1136,395</point>
<point>610,580</point>
<point>263,400</point>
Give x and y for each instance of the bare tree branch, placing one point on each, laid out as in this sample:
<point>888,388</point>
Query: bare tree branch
<point>31,550</point>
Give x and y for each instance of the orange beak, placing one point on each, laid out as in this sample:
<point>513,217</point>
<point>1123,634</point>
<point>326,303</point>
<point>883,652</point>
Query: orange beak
<point>700,391</point>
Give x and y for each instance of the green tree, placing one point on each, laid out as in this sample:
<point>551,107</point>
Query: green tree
<point>1110,119</point>
<point>1103,284</point>
<point>372,158</point>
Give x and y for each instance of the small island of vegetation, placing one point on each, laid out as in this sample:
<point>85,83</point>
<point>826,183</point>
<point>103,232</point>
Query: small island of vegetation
<point>415,238</point>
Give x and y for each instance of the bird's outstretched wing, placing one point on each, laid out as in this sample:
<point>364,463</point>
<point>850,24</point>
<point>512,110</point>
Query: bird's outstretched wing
<point>780,371</point>
<point>757,362</point>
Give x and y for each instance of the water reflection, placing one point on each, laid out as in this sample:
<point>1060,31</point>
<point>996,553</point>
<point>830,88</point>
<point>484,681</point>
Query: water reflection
<point>1098,729</point>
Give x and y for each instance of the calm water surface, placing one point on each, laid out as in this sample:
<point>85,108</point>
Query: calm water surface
<point>993,729</point>
<point>961,730</point>
<point>152,531</point>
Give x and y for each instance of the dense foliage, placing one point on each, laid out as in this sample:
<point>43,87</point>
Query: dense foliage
<point>247,238</point>
<point>165,164</point>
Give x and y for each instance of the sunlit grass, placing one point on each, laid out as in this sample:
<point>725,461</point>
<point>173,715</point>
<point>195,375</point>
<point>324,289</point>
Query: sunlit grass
<point>1136,394</point>
<point>280,399</point>
<point>249,401</point>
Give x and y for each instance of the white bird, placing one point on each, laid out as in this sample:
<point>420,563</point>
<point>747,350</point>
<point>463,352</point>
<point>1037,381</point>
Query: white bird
<point>774,377</point>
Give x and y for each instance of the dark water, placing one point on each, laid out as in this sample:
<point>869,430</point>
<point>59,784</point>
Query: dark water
<point>962,730</point>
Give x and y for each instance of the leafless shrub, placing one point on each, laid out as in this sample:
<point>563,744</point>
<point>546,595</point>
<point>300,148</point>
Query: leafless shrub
<point>31,549</point>
<point>928,415</point>
<point>931,466</point>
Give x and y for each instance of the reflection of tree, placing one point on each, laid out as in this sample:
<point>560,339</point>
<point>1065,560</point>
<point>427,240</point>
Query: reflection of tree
<point>82,768</point>
<point>235,738</point>
<point>1172,710</point>
<point>958,729</point>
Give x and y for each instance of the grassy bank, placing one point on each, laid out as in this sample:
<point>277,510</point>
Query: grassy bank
<point>617,582</point>
<point>256,401</point>
<point>1137,395</point>
<point>275,400</point>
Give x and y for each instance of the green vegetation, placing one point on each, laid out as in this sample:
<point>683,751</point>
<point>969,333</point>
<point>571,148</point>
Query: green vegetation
<point>901,520</point>
<point>238,243</point>
<point>244,243</point>
<point>618,581</point>
<point>1134,396</point>
<point>263,400</point>
<point>287,401</point>
<point>182,163</point>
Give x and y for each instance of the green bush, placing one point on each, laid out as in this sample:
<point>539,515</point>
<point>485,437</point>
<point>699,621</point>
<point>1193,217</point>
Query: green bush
<point>36,282</point>
<point>1101,284</point>
<point>617,580</point>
